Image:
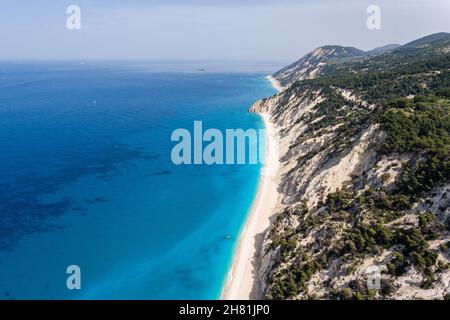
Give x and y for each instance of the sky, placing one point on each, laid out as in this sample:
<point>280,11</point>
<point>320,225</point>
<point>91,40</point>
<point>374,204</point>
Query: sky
<point>244,30</point>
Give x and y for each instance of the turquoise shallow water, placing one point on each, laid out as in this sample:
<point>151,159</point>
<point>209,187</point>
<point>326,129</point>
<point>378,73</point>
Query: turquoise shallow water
<point>86,179</point>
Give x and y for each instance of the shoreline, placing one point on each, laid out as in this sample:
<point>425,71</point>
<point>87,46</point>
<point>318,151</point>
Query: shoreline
<point>275,83</point>
<point>241,283</point>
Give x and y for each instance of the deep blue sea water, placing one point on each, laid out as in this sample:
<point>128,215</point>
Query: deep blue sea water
<point>86,179</point>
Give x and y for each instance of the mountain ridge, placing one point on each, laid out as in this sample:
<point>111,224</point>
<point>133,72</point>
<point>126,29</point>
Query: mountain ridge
<point>428,40</point>
<point>383,49</point>
<point>313,63</point>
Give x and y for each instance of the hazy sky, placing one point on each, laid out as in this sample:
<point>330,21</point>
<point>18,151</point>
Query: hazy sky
<point>208,29</point>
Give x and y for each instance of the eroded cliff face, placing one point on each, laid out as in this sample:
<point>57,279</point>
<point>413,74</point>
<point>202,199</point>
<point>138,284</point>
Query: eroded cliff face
<point>333,174</point>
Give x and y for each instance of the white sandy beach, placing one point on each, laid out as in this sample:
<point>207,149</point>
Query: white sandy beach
<point>275,83</point>
<point>241,284</point>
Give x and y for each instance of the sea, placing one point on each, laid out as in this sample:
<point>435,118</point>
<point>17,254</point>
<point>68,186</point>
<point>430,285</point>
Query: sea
<point>87,180</point>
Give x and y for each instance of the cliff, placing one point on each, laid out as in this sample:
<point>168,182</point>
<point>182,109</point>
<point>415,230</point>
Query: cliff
<point>365,176</point>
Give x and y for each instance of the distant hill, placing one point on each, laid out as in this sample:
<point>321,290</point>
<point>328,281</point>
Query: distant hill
<point>433,39</point>
<point>309,66</point>
<point>313,64</point>
<point>383,49</point>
